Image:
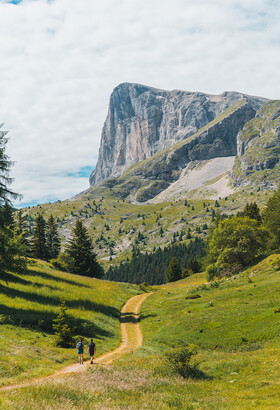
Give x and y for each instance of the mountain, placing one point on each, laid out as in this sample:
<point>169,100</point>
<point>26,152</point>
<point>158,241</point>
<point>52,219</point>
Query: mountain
<point>186,174</point>
<point>142,121</point>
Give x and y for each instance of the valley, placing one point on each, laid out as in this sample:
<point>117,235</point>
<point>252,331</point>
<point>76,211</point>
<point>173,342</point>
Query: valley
<point>232,327</point>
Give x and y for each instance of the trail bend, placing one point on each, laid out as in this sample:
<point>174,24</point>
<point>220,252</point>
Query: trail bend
<point>131,340</point>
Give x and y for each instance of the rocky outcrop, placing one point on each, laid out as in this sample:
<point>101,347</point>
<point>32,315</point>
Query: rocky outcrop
<point>218,140</point>
<point>142,121</point>
<point>258,144</point>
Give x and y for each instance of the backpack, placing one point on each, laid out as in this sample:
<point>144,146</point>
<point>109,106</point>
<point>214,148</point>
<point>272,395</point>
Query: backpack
<point>80,345</point>
<point>91,346</point>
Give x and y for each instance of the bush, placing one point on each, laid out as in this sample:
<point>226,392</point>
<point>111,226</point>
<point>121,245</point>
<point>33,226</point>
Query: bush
<point>211,272</point>
<point>63,262</point>
<point>196,296</point>
<point>237,241</point>
<point>144,287</point>
<point>179,360</point>
<point>275,263</point>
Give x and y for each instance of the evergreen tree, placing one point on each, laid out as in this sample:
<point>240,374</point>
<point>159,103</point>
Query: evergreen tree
<point>173,271</point>
<point>5,166</point>
<point>10,247</point>
<point>52,238</point>
<point>7,215</point>
<point>22,230</point>
<point>253,211</point>
<point>194,266</point>
<point>80,249</point>
<point>63,328</point>
<point>272,221</point>
<point>11,250</point>
<point>39,245</point>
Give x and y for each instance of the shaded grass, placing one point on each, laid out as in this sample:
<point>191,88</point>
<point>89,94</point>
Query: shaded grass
<point>29,304</point>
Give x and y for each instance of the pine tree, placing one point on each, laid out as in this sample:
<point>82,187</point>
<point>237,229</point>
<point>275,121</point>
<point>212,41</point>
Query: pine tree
<point>22,230</point>
<point>173,271</point>
<point>52,238</point>
<point>80,249</point>
<point>7,215</point>
<point>39,245</point>
<point>10,247</point>
<point>5,166</point>
<point>62,327</point>
<point>11,250</point>
<point>253,211</point>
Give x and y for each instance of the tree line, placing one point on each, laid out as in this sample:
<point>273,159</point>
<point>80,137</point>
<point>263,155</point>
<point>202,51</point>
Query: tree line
<point>151,267</point>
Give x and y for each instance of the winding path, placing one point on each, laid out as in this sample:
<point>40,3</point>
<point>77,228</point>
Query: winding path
<point>131,339</point>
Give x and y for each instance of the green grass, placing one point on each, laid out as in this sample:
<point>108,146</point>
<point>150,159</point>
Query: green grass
<point>238,352</point>
<point>30,302</point>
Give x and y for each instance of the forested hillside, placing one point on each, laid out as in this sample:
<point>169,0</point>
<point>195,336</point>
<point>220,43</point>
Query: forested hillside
<point>151,267</point>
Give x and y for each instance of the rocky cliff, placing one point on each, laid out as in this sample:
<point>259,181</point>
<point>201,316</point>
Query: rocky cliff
<point>142,121</point>
<point>258,148</point>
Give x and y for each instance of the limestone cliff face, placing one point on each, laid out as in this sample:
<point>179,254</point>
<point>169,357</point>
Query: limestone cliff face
<point>258,147</point>
<point>142,121</point>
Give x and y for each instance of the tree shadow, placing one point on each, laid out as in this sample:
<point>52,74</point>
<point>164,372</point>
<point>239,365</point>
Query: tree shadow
<point>130,317</point>
<point>143,317</point>
<point>48,276</point>
<point>56,301</point>
<point>43,320</point>
<point>10,277</point>
<point>197,374</point>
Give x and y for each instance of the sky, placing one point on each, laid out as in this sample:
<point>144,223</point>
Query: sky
<point>61,59</point>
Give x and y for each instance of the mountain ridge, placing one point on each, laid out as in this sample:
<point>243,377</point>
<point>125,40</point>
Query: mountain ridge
<point>143,120</point>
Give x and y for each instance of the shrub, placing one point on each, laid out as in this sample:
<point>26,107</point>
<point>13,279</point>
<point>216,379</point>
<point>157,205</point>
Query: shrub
<point>196,296</point>
<point>179,359</point>
<point>63,262</point>
<point>144,287</point>
<point>211,272</point>
<point>275,263</point>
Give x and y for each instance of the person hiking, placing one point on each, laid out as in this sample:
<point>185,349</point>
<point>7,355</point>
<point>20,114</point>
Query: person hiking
<point>91,350</point>
<point>80,347</point>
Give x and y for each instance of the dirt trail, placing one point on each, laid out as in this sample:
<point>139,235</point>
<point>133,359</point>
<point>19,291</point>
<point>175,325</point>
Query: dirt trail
<point>131,339</point>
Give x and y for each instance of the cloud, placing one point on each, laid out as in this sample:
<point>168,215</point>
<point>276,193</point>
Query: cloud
<point>61,59</point>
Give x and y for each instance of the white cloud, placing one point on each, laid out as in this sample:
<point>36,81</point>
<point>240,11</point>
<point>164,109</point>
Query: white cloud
<point>60,60</point>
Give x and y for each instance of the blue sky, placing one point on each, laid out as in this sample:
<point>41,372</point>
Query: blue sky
<point>60,61</point>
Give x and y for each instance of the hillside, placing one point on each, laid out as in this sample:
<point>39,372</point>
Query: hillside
<point>170,196</point>
<point>234,327</point>
<point>114,224</point>
<point>30,302</point>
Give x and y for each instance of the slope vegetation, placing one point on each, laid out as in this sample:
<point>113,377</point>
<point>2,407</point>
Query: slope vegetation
<point>234,327</point>
<point>30,302</point>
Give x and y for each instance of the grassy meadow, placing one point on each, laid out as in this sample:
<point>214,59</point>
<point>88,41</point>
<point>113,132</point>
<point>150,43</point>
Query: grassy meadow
<point>28,304</point>
<point>114,224</point>
<point>234,329</point>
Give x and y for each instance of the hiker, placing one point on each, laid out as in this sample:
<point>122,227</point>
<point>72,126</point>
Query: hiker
<point>80,347</point>
<point>91,350</point>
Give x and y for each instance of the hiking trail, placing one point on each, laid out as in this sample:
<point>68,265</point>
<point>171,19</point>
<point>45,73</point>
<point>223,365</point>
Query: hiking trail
<point>131,340</point>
